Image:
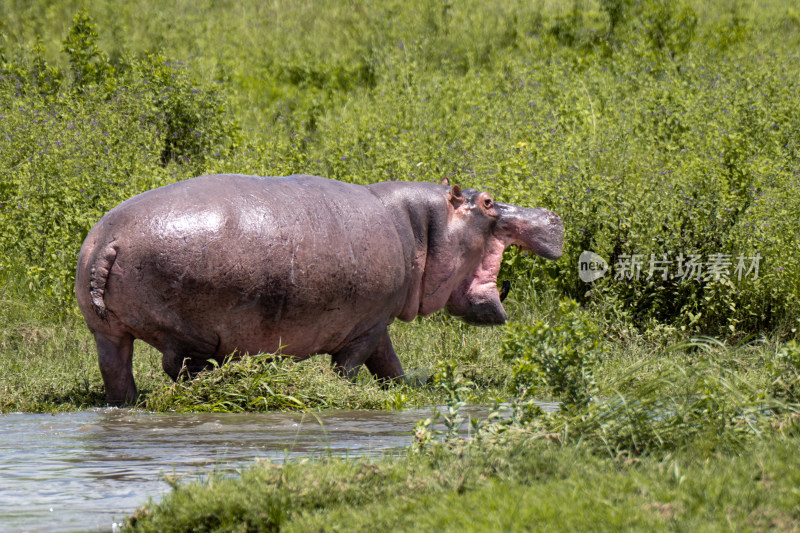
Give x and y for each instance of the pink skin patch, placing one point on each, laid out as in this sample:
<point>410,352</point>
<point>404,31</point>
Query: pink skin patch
<point>481,284</point>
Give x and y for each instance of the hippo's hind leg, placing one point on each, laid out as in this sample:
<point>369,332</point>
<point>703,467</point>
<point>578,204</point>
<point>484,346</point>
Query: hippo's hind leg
<point>373,348</point>
<point>115,355</point>
<point>184,358</point>
<point>347,361</point>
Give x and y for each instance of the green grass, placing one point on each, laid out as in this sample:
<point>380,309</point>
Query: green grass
<point>521,484</point>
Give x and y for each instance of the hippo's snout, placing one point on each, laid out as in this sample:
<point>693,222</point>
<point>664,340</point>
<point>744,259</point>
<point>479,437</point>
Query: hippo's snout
<point>536,229</point>
<point>554,236</point>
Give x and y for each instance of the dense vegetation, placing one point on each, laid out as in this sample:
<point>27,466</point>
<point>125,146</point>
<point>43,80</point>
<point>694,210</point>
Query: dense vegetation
<point>666,134</point>
<point>652,127</point>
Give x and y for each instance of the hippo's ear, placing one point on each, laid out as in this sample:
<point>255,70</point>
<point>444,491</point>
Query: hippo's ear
<point>456,198</point>
<point>445,181</point>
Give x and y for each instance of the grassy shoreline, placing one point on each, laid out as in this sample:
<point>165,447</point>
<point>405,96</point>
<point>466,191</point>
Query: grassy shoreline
<point>53,367</point>
<point>607,466</point>
<point>520,484</point>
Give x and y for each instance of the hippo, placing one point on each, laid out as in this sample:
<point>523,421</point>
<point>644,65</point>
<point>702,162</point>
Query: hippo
<point>296,266</point>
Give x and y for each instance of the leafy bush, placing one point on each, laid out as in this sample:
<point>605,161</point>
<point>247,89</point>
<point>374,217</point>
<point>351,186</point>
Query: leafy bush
<point>651,127</point>
<point>78,142</point>
<point>555,357</point>
<point>89,66</point>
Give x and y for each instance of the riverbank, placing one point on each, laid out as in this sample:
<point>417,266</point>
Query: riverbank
<point>526,482</point>
<point>47,367</point>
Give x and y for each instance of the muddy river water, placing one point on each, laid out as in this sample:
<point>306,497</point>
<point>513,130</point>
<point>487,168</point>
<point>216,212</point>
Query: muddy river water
<point>86,470</point>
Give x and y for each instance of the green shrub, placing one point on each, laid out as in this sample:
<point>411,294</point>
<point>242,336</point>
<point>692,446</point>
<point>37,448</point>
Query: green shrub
<point>89,66</point>
<point>78,142</point>
<point>555,357</point>
<point>651,127</point>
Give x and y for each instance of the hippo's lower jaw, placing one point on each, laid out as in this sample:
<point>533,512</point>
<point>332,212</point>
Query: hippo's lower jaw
<point>484,313</point>
<point>476,299</point>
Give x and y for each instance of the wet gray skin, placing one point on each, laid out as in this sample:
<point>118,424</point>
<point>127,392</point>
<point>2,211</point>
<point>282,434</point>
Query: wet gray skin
<point>299,265</point>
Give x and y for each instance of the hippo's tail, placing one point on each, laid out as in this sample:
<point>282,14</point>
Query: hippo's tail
<point>98,278</point>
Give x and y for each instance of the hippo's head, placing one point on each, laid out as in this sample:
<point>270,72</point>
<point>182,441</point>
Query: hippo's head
<point>480,229</point>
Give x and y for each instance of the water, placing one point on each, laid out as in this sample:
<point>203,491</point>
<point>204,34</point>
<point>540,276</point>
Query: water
<point>83,471</point>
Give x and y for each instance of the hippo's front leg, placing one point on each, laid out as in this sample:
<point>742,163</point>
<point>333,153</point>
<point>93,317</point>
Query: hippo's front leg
<point>373,348</point>
<point>383,363</point>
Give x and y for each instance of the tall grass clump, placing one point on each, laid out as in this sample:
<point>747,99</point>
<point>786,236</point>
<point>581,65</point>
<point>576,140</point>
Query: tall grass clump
<point>263,382</point>
<point>700,395</point>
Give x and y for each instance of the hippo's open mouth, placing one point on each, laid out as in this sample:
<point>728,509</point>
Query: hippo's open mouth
<point>477,300</point>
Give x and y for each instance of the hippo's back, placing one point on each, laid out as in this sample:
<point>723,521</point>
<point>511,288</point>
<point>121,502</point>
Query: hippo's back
<point>246,263</point>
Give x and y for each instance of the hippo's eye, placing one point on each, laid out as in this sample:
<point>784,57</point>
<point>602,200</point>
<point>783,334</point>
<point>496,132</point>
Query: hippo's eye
<point>487,203</point>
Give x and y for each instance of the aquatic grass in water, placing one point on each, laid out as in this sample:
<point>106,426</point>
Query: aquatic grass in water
<point>266,382</point>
